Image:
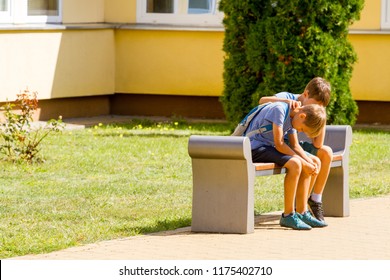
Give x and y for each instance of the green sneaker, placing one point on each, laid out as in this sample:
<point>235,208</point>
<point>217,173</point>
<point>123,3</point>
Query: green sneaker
<point>307,218</point>
<point>294,222</point>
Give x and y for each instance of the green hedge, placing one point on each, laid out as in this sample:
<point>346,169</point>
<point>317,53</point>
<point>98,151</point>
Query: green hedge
<point>274,46</point>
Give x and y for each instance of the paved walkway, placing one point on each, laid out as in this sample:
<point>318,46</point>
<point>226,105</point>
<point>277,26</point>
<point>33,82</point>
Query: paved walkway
<point>362,236</point>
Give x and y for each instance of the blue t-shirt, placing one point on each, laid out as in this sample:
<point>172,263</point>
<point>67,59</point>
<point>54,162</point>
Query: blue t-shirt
<point>287,95</point>
<point>274,113</point>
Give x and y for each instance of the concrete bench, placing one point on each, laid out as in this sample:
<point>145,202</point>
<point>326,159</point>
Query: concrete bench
<point>224,176</point>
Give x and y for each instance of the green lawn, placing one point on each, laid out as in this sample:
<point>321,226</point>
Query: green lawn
<point>115,181</point>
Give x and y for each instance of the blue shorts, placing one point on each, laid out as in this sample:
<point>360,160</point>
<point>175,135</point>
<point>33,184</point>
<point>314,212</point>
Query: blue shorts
<point>309,148</point>
<point>269,154</point>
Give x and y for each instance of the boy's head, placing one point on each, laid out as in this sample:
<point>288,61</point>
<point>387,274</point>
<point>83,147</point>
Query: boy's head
<point>309,119</point>
<point>317,91</point>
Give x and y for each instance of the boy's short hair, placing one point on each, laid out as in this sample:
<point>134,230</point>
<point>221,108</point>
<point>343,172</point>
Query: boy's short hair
<point>319,89</point>
<point>315,119</point>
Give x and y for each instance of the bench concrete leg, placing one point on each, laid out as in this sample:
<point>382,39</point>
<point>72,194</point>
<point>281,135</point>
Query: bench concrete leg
<point>223,196</point>
<point>336,193</point>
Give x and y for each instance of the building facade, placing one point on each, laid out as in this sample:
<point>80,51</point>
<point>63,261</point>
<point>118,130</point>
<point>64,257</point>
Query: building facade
<point>150,57</point>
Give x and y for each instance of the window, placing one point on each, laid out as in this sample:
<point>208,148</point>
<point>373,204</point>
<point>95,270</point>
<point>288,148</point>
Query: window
<point>4,4</point>
<point>30,11</point>
<point>193,12</point>
<point>42,8</point>
<point>385,17</point>
<point>5,9</point>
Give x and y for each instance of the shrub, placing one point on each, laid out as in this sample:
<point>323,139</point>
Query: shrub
<point>274,46</point>
<point>19,140</point>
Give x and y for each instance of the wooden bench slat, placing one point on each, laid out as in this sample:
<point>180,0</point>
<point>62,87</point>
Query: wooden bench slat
<point>260,166</point>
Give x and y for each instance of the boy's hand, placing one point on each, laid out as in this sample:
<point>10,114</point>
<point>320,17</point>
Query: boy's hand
<point>294,104</point>
<point>310,168</point>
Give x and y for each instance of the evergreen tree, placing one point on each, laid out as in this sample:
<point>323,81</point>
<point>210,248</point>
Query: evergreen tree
<point>280,45</point>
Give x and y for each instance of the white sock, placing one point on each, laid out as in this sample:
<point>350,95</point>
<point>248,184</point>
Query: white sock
<point>316,197</point>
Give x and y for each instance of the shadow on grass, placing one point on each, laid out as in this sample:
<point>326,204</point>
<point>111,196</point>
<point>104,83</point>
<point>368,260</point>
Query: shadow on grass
<point>160,226</point>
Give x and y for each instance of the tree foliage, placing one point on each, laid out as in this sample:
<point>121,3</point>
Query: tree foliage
<point>274,46</point>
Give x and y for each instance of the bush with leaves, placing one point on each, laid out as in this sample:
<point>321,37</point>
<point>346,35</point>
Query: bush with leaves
<point>19,140</point>
<point>273,46</point>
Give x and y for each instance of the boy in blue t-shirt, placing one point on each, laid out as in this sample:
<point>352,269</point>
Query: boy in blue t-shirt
<point>317,91</point>
<point>270,146</point>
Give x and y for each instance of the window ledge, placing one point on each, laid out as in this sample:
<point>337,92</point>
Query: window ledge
<point>85,26</point>
<point>369,32</point>
<point>172,27</point>
<point>139,26</point>
<point>55,26</point>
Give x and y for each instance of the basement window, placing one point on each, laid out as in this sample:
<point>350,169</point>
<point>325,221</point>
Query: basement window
<point>30,11</point>
<point>179,12</point>
<point>385,17</point>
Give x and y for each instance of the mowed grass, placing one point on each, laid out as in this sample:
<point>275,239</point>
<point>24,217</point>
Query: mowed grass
<point>115,181</point>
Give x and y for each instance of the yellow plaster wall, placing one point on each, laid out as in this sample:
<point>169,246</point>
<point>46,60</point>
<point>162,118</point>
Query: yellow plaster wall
<point>69,63</point>
<point>169,62</point>
<point>83,11</point>
<point>57,63</point>
<point>122,11</point>
<point>370,17</point>
<point>371,75</point>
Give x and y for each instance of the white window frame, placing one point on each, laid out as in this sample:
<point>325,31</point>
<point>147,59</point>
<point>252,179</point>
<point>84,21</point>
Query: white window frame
<point>18,14</point>
<point>385,14</point>
<point>5,16</point>
<point>176,18</point>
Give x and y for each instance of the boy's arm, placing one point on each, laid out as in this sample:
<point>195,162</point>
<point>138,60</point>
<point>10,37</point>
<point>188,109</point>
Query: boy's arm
<point>318,141</point>
<point>280,145</point>
<point>294,144</point>
<point>292,103</point>
<point>307,163</point>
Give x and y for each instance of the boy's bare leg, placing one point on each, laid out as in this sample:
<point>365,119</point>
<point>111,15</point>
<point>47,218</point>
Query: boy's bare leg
<point>302,195</point>
<point>303,192</point>
<point>325,155</point>
<point>291,179</point>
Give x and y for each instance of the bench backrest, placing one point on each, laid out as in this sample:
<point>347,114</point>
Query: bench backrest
<point>338,137</point>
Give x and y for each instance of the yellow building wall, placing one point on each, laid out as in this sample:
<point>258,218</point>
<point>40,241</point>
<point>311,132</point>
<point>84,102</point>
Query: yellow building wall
<point>82,11</point>
<point>371,75</point>
<point>370,17</point>
<point>158,61</point>
<point>169,62</point>
<point>121,11</point>
<point>57,63</point>
<point>370,80</point>
<point>71,63</point>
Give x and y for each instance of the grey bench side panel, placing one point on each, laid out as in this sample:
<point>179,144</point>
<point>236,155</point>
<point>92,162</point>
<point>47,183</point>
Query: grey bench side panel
<point>336,192</point>
<point>223,184</point>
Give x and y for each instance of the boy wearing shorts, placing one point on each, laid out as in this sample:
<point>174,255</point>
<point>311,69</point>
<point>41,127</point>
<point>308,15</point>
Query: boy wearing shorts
<point>317,91</point>
<point>302,168</point>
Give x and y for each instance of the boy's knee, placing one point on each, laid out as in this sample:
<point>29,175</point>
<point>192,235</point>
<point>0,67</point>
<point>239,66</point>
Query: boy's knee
<point>317,161</point>
<point>294,165</point>
<point>325,152</point>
